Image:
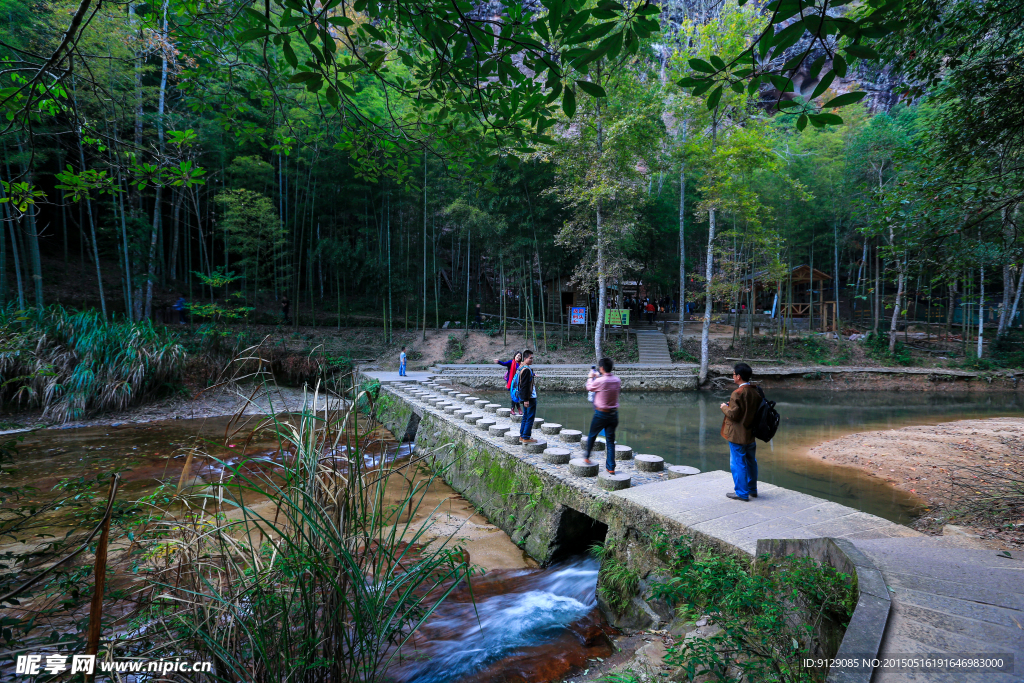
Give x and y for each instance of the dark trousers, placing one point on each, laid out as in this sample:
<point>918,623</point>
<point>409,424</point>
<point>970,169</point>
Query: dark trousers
<point>607,421</point>
<point>529,414</point>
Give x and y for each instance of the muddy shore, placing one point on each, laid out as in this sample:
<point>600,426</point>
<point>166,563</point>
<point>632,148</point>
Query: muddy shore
<point>923,461</point>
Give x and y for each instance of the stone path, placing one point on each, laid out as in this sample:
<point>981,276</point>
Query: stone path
<point>652,346</point>
<point>950,600</point>
<point>419,397</point>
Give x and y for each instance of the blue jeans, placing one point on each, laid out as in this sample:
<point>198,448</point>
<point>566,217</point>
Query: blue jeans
<point>401,369</point>
<point>744,468</point>
<point>608,422</point>
<point>529,414</point>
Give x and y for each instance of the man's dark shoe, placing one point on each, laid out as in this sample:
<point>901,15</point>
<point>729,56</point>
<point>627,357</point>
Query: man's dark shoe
<point>753,495</point>
<point>735,497</point>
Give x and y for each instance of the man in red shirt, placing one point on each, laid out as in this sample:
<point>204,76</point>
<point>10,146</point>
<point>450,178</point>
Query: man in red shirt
<point>606,388</point>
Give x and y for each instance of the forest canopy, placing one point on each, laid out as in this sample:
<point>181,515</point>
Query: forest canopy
<point>377,161</point>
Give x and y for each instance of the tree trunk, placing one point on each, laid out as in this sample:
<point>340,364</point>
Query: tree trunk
<point>708,273</point>
<point>1016,299</point>
<point>92,226</point>
<point>601,277</point>
<point>900,277</point>
<point>158,203</point>
<point>981,311</point>
<point>682,254</point>
<point>424,337</point>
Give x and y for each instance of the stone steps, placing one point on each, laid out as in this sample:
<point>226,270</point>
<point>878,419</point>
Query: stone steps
<point>652,347</point>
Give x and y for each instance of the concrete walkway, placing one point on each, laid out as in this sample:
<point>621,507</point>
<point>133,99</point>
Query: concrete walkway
<point>699,503</point>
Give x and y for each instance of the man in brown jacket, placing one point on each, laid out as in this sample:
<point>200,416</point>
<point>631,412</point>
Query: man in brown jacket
<point>738,430</point>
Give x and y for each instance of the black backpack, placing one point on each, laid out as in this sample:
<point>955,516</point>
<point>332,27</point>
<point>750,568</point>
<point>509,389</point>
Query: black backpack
<point>766,419</point>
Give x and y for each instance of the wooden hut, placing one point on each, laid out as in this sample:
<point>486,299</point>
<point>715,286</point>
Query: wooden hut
<point>809,290</point>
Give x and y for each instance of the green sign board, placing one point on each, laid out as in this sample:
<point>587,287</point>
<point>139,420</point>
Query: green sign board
<point>616,316</point>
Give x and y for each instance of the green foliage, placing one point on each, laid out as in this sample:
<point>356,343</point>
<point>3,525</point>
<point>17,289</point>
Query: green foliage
<point>769,614</point>
<point>72,364</point>
<point>618,581</point>
<point>453,349</point>
<point>877,347</point>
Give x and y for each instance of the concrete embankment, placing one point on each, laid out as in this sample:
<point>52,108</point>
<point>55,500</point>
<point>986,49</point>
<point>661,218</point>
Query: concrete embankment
<point>918,595</point>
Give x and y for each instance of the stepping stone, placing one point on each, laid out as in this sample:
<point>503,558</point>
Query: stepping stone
<point>649,463</point>
<point>570,435</point>
<point>512,437</point>
<point>481,403</point>
<point>503,412</point>
<point>676,471</point>
<point>461,397</point>
<point>495,430</point>
<point>491,407</point>
<point>537,422</point>
<point>556,456</point>
<point>485,423</point>
<point>613,482</point>
<point>450,409</point>
<point>471,400</point>
<point>472,418</point>
<point>623,452</point>
<point>516,419</point>
<point>551,428</point>
<point>434,401</point>
<point>461,413</point>
<point>581,469</point>
<point>538,447</point>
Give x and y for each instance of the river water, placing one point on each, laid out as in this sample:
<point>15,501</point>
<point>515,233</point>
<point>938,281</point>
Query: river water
<point>683,428</point>
<point>519,622</point>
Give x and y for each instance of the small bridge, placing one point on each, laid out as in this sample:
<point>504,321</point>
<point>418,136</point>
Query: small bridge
<point>919,596</point>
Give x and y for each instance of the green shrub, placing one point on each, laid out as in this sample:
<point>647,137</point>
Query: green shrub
<point>72,364</point>
<point>877,347</point>
<point>769,614</point>
<point>453,350</point>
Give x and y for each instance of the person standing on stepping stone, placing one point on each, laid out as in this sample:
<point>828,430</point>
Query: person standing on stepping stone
<point>738,430</point>
<point>528,392</point>
<point>401,363</point>
<point>606,388</point>
<point>512,365</point>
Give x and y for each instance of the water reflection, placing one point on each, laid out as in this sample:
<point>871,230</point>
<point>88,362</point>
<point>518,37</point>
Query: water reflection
<point>683,428</point>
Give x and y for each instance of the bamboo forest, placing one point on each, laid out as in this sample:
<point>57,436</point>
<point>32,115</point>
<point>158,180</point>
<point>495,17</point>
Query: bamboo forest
<point>250,251</point>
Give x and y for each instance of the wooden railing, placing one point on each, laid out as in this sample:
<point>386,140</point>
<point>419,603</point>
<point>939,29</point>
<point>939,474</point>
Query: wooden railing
<point>824,311</point>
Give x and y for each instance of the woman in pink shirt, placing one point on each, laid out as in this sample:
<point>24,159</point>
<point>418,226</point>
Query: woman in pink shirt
<point>606,388</point>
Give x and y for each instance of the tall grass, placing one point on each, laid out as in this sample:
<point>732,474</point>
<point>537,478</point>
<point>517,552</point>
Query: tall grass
<point>301,570</point>
<point>73,363</point>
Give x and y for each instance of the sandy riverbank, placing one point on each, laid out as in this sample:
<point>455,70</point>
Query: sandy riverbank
<point>923,460</point>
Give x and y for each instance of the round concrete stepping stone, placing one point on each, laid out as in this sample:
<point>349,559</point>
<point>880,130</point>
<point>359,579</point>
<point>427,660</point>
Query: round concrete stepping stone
<point>623,452</point>
<point>434,401</point>
<point>472,418</point>
<point>461,397</point>
<point>491,407</point>
<point>557,456</point>
<point>503,412</point>
<point>649,463</point>
<point>613,482</point>
<point>677,471</point>
<point>481,403</point>
<point>461,413</point>
<point>570,435</point>
<point>551,428</point>
<point>538,447</point>
<point>450,409</point>
<point>537,422</point>
<point>512,437</point>
<point>579,468</point>
<point>496,430</point>
<point>485,423</point>
<point>516,419</point>
<point>471,400</point>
